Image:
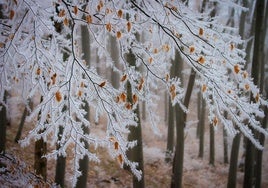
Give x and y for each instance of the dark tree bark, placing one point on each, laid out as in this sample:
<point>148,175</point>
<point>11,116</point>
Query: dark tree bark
<point>60,163</point>
<point>233,162</point>
<point>40,150</point>
<point>84,162</point>
<point>225,143</point>
<point>211,145</point>
<point>255,73</point>
<point>175,70</point>
<point>177,171</point>
<point>201,117</point>
<point>3,124</point>
<point>263,84</point>
<point>136,153</point>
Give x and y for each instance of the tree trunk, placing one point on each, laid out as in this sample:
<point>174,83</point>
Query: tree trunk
<point>3,124</point>
<point>170,136</point>
<point>201,125</point>
<point>136,153</point>
<point>211,145</point>
<point>259,153</point>
<point>114,54</point>
<point>84,162</point>
<point>40,150</point>
<point>225,143</point>
<point>177,171</point>
<point>255,72</point>
<point>233,162</point>
<point>22,121</point>
<point>60,163</point>
<point>175,70</point>
<point>40,162</point>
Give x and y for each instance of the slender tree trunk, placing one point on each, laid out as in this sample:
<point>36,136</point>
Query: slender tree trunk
<point>60,163</point>
<point>40,150</point>
<point>259,153</point>
<point>225,143</point>
<point>84,162</point>
<point>175,70</point>
<point>177,171</point>
<point>22,121</point>
<point>250,150</point>
<point>201,126</point>
<point>233,162</point>
<point>211,145</point>
<point>3,123</point>
<point>136,153</point>
<point>170,136</point>
<point>115,58</point>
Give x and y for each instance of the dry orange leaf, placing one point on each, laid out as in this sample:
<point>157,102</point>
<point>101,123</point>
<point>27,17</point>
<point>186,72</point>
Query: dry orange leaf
<point>38,71</point>
<point>128,26</point>
<point>66,21</point>
<point>201,31</point>
<point>232,46</point>
<point>191,49</point>
<point>247,86</point>
<point>61,13</point>
<point>135,98</point>
<point>128,106</point>
<point>204,88</point>
<point>150,60</point>
<point>75,10</point>
<point>257,97</point>
<point>124,77</point>
<point>120,13</point>
<point>89,19</point>
<point>79,93</point>
<point>236,69</point>
<point>120,159</point>
<point>167,77</point>
<point>11,14</point>
<point>118,34</point>
<point>172,88</point>
<point>245,74</point>
<point>102,84</point>
<point>215,121</point>
<point>116,145</point>
<point>123,97</point>
<point>82,84</point>
<point>201,60</point>
<point>109,27</point>
<point>58,96</point>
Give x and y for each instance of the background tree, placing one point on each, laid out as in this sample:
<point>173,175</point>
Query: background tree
<point>31,53</point>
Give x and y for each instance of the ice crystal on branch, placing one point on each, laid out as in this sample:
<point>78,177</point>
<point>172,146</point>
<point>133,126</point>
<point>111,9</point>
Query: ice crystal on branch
<point>41,53</point>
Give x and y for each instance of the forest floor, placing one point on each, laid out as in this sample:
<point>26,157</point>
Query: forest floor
<point>197,172</point>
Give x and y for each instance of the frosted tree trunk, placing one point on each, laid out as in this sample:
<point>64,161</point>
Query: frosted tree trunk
<point>3,123</point>
<point>211,145</point>
<point>40,150</point>
<point>255,73</point>
<point>60,164</point>
<point>259,153</point>
<point>225,143</point>
<point>233,162</point>
<point>22,121</point>
<point>115,58</point>
<point>236,140</point>
<point>84,162</point>
<point>201,124</point>
<point>175,70</point>
<point>136,153</point>
<point>177,170</point>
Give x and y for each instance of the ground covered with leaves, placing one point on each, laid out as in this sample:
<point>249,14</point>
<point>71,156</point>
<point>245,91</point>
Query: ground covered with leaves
<point>18,164</point>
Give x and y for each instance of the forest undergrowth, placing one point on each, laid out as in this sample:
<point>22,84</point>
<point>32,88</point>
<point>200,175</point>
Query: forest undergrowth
<point>197,172</point>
